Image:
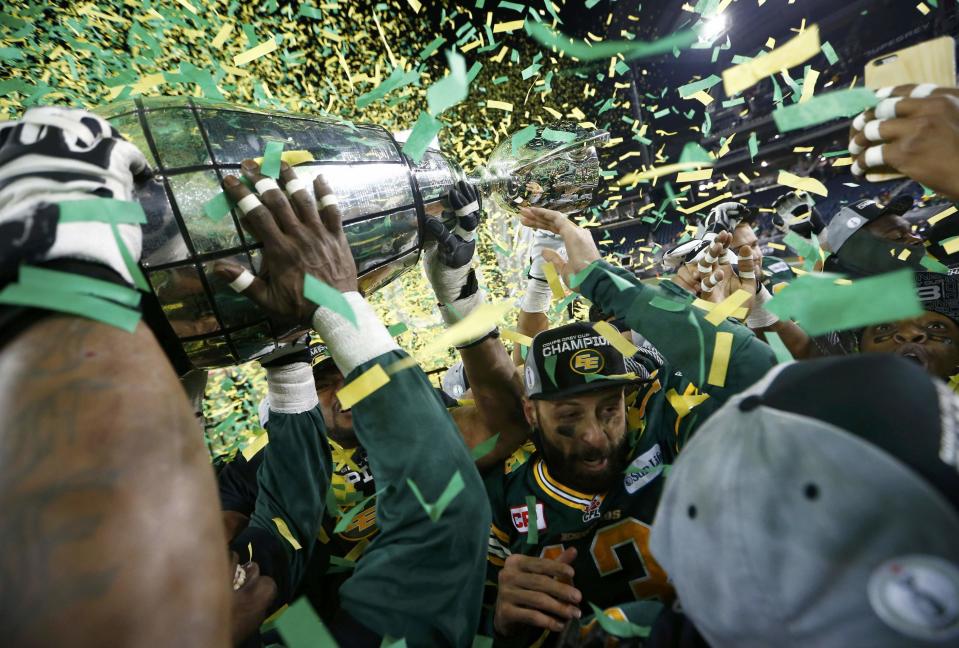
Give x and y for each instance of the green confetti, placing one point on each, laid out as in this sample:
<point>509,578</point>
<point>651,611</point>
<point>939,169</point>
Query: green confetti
<point>550,365</point>
<point>670,305</point>
<point>532,525</point>
<point>390,642</point>
<point>217,207</point>
<point>609,48</point>
<point>690,89</point>
<point>451,89</point>
<point>271,160</point>
<point>823,108</point>
<point>479,641</point>
<point>310,12</point>
<point>302,628</point>
<point>325,295</point>
<point>693,152</point>
<point>522,137</point>
<point>618,628</point>
<point>397,79</point>
<point>51,298</point>
<point>435,510</point>
<point>820,306</point>
<point>485,447</point>
<point>344,521</point>
<point>33,276</point>
<point>339,565</point>
<point>430,49</point>
<point>106,210</point>
<point>738,101</point>
<point>11,54</point>
<point>829,53</point>
<point>424,130</point>
<point>138,279</point>
<point>778,347</point>
<point>933,265</point>
<point>397,329</point>
<point>551,135</point>
<point>753,145</point>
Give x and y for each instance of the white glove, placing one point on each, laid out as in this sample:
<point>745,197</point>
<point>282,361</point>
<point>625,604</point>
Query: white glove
<point>538,295</point>
<point>58,154</point>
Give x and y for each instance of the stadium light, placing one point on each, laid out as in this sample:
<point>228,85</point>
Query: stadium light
<point>713,28</point>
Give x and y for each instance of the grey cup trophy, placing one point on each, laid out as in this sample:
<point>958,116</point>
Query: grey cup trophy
<point>383,196</point>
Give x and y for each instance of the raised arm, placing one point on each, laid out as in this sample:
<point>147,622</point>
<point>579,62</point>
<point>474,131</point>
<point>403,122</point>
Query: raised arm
<point>496,385</point>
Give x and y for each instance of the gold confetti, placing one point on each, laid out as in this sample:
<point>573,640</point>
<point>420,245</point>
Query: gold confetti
<point>552,278</point>
<point>254,53</point>
<point>222,35</point>
<point>513,25</point>
<point>811,185</point>
<point>726,307</point>
<point>285,532</point>
<point>720,363</point>
<point>362,386</point>
<point>500,105</point>
<point>619,342</point>
<point>798,50</point>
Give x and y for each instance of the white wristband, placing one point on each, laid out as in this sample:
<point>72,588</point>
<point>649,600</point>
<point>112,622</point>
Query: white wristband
<point>537,298</point>
<point>291,388</point>
<point>758,316</point>
<point>351,345</point>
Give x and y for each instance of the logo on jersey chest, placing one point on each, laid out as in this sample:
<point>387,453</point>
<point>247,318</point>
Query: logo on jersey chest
<point>520,517</point>
<point>591,512</point>
<point>644,469</point>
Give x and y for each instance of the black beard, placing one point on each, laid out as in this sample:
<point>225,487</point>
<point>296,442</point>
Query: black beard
<point>563,468</point>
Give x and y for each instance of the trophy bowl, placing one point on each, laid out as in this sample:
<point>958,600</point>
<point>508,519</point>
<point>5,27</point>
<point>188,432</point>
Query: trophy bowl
<point>384,198</point>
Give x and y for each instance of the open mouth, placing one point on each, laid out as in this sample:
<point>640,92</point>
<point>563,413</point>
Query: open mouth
<point>596,464</point>
<point>914,353</point>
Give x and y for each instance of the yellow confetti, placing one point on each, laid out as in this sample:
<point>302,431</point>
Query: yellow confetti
<point>682,404</point>
<point>510,26</point>
<point>923,9</point>
<point>742,176</point>
<point>941,215</point>
<point>771,42</point>
<point>416,5</point>
<point>552,278</point>
<point>904,254</point>
<point>809,85</point>
<point>777,246</point>
<point>470,327</point>
<point>701,96</point>
<point>148,81</point>
<point>362,386</point>
<point>291,157</point>
<point>802,149</point>
<point>694,176</point>
<point>841,162</point>
<point>516,336</point>
<point>702,304</point>
<point>400,365</point>
<point>254,53</point>
<point>720,363</point>
<point>619,342</point>
<point>222,35</point>
<point>811,185</point>
<point>951,246</point>
<point>726,307</point>
<point>696,208</point>
<point>798,50</point>
<point>189,7</point>
<point>656,172</point>
<point>259,442</point>
<point>501,105</point>
<point>285,532</point>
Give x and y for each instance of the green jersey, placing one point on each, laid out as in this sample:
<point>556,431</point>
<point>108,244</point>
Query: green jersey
<point>611,530</point>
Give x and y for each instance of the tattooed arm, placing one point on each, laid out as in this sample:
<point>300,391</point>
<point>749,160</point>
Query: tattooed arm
<point>110,531</point>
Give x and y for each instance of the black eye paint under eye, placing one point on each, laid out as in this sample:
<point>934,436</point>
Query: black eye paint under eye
<point>566,430</point>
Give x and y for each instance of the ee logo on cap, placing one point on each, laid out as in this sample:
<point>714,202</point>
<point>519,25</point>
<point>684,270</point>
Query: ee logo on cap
<point>587,361</point>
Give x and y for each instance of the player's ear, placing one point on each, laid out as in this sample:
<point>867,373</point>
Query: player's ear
<point>529,409</point>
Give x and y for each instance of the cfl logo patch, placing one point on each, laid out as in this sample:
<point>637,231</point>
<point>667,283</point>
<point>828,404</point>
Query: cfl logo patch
<point>587,361</point>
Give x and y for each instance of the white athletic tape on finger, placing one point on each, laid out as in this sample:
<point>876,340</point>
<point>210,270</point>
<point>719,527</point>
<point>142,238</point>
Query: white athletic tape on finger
<point>871,131</point>
<point>264,185</point>
<point>295,185</point>
<point>327,200</point>
<point>710,259</point>
<point>248,203</point>
<point>747,275</point>
<point>468,209</point>
<point>855,169</point>
<point>886,109</point>
<point>884,93</point>
<point>859,121</point>
<point>923,90</point>
<point>242,282</point>
<point>703,286</point>
<point>854,148</point>
<point>874,157</point>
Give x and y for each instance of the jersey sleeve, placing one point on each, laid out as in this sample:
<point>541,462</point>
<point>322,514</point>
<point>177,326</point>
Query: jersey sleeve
<point>421,578</point>
<point>292,482</point>
<point>236,484</point>
<point>680,332</point>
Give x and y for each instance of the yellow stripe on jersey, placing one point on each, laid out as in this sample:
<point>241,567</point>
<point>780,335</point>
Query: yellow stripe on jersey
<point>498,533</point>
<point>562,494</point>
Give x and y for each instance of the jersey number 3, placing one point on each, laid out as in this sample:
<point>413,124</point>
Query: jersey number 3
<point>652,584</point>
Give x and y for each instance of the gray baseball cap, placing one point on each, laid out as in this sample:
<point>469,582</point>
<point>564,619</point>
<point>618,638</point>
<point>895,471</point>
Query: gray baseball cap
<point>854,216</point>
<point>809,511</point>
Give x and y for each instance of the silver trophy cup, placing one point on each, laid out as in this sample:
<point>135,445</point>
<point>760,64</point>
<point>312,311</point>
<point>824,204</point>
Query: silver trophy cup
<point>383,196</point>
